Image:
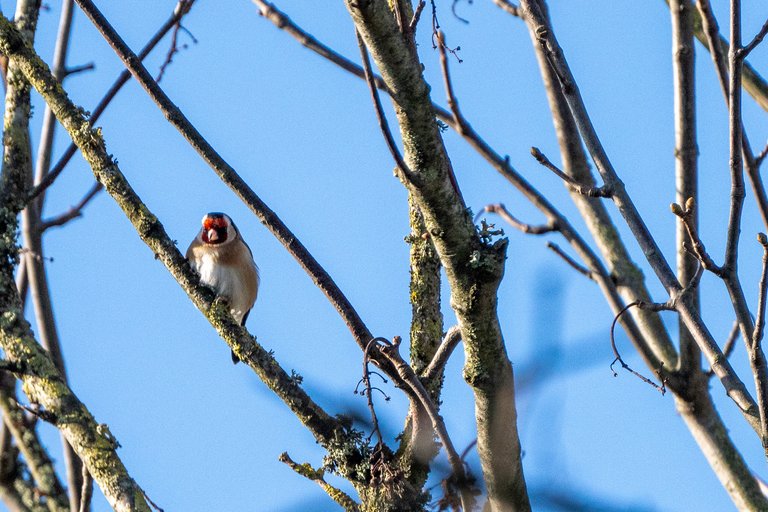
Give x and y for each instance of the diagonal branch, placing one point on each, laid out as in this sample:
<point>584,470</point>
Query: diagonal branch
<point>122,79</point>
<point>451,339</point>
<point>586,190</point>
<point>229,176</point>
<point>38,461</point>
<point>380,116</point>
<point>73,213</point>
<point>317,476</point>
<point>328,431</point>
<point>463,479</point>
<point>755,41</point>
<point>625,268</point>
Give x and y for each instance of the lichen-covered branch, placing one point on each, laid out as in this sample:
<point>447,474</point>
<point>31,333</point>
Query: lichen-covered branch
<point>473,267</point>
<point>328,431</point>
<point>317,476</point>
<point>39,463</point>
<point>417,447</point>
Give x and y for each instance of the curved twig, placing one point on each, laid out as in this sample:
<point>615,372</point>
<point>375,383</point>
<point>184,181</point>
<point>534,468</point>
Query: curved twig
<point>617,357</point>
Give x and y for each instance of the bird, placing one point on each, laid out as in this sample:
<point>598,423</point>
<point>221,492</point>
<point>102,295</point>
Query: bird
<point>225,263</point>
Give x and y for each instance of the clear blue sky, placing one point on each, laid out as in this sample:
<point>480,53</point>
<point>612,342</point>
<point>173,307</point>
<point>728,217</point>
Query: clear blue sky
<point>201,435</point>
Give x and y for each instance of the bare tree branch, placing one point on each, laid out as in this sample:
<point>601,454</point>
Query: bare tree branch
<point>327,430</point>
<point>122,79</point>
<point>508,7</point>
<point>570,261</point>
<point>38,280</point>
<point>228,175</point>
<point>686,165</point>
<point>74,212</point>
<point>733,385</point>
<point>456,240</point>
<point>182,8</point>
<point>443,354</point>
<point>380,116</point>
<point>316,475</point>
<point>464,481</point>
<point>417,447</point>
<point>755,41</point>
<point>692,243</point>
<point>513,221</point>
<point>86,492</point>
<point>710,36</point>
<point>589,191</point>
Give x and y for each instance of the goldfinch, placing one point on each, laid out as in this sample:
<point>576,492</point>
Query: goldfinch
<point>225,263</point>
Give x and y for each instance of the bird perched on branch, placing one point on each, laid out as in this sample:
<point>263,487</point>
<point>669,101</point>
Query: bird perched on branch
<point>225,263</point>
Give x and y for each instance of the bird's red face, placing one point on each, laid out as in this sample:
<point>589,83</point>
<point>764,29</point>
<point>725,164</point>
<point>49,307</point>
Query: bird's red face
<point>215,228</point>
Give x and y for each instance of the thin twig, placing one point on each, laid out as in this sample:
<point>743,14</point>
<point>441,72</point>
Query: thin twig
<point>151,503</point>
<point>581,269</point>
<point>368,389</point>
<point>513,221</point>
<point>74,212</point>
<point>617,357</point>
<point>182,8</point>
<point>416,16</point>
<point>757,336</point>
<point>686,214</point>
<point>760,157</point>
<point>589,191</point>
<point>75,70</point>
<point>380,116</point>
<point>124,76</point>
<point>756,41</point>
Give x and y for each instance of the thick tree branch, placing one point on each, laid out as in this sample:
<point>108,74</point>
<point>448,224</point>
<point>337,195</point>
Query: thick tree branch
<point>472,267</point>
<point>44,384</point>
